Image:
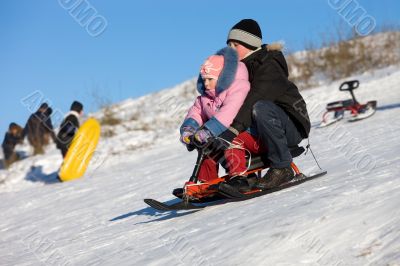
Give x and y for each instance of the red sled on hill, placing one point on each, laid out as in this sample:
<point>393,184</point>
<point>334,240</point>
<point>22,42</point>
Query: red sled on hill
<point>197,195</point>
<point>336,111</point>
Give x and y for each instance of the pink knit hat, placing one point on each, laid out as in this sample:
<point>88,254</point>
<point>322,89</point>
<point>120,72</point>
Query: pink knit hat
<point>212,67</point>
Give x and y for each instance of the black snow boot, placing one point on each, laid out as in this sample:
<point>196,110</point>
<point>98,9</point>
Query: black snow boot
<point>178,192</point>
<point>239,183</point>
<point>275,177</point>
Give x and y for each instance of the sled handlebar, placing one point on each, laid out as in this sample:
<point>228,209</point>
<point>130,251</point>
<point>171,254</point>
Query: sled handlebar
<point>203,151</point>
<point>205,147</point>
<point>349,85</point>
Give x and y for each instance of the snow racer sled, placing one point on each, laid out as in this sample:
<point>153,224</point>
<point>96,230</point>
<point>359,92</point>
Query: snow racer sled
<point>195,194</point>
<point>335,111</point>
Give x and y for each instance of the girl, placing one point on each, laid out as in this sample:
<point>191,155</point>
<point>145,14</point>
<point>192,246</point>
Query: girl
<point>223,85</point>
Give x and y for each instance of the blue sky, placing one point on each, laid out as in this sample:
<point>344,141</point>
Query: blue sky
<point>146,45</point>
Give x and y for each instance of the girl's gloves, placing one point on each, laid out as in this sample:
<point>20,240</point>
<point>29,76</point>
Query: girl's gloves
<point>202,136</point>
<point>186,135</point>
<point>190,136</point>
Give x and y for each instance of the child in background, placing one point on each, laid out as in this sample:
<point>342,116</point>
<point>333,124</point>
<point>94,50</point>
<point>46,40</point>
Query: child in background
<point>68,127</point>
<point>13,136</point>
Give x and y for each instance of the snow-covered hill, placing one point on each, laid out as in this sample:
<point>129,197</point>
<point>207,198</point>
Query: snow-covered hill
<point>344,58</point>
<point>349,217</point>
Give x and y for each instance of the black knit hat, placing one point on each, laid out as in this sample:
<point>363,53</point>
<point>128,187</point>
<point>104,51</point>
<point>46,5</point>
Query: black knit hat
<point>247,32</point>
<point>76,106</point>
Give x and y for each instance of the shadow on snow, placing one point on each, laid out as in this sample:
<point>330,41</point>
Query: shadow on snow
<point>36,174</point>
<point>159,215</point>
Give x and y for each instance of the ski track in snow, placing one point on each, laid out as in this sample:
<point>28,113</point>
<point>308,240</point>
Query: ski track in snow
<point>349,217</point>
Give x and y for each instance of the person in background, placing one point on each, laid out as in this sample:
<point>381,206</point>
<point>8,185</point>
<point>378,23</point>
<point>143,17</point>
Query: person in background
<point>48,127</point>
<point>13,136</point>
<point>36,128</point>
<point>68,127</point>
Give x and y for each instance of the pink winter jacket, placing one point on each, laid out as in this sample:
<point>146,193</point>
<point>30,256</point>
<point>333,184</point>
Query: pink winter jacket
<point>215,110</point>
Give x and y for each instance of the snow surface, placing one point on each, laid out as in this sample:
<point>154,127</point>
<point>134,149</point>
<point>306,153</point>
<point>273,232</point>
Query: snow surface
<point>349,217</point>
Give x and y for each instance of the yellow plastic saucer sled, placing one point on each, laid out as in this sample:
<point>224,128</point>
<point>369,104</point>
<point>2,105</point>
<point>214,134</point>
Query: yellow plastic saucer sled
<point>81,151</point>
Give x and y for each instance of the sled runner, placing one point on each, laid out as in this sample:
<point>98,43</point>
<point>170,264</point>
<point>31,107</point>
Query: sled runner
<point>197,195</point>
<point>335,111</point>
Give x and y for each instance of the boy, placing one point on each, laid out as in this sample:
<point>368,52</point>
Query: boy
<point>273,106</point>
<point>68,127</point>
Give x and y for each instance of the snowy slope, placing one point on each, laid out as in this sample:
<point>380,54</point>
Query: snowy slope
<point>350,57</point>
<point>349,217</point>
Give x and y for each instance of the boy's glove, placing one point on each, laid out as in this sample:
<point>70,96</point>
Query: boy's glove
<point>201,136</point>
<point>186,135</point>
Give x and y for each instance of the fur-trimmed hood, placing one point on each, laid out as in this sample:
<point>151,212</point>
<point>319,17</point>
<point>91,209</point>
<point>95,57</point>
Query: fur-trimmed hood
<point>74,113</point>
<point>266,53</point>
<point>276,46</point>
<point>228,74</point>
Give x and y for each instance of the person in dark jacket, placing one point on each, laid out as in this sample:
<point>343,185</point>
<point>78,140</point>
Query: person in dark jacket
<point>38,127</point>
<point>13,136</point>
<point>273,107</point>
<point>49,130</point>
<point>68,127</point>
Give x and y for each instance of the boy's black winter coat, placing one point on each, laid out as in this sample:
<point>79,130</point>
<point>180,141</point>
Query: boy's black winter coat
<point>67,131</point>
<point>268,75</point>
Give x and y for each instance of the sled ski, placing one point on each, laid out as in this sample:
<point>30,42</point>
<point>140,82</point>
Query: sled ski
<point>228,192</point>
<point>228,195</point>
<point>326,123</point>
<point>370,109</point>
<point>182,205</point>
